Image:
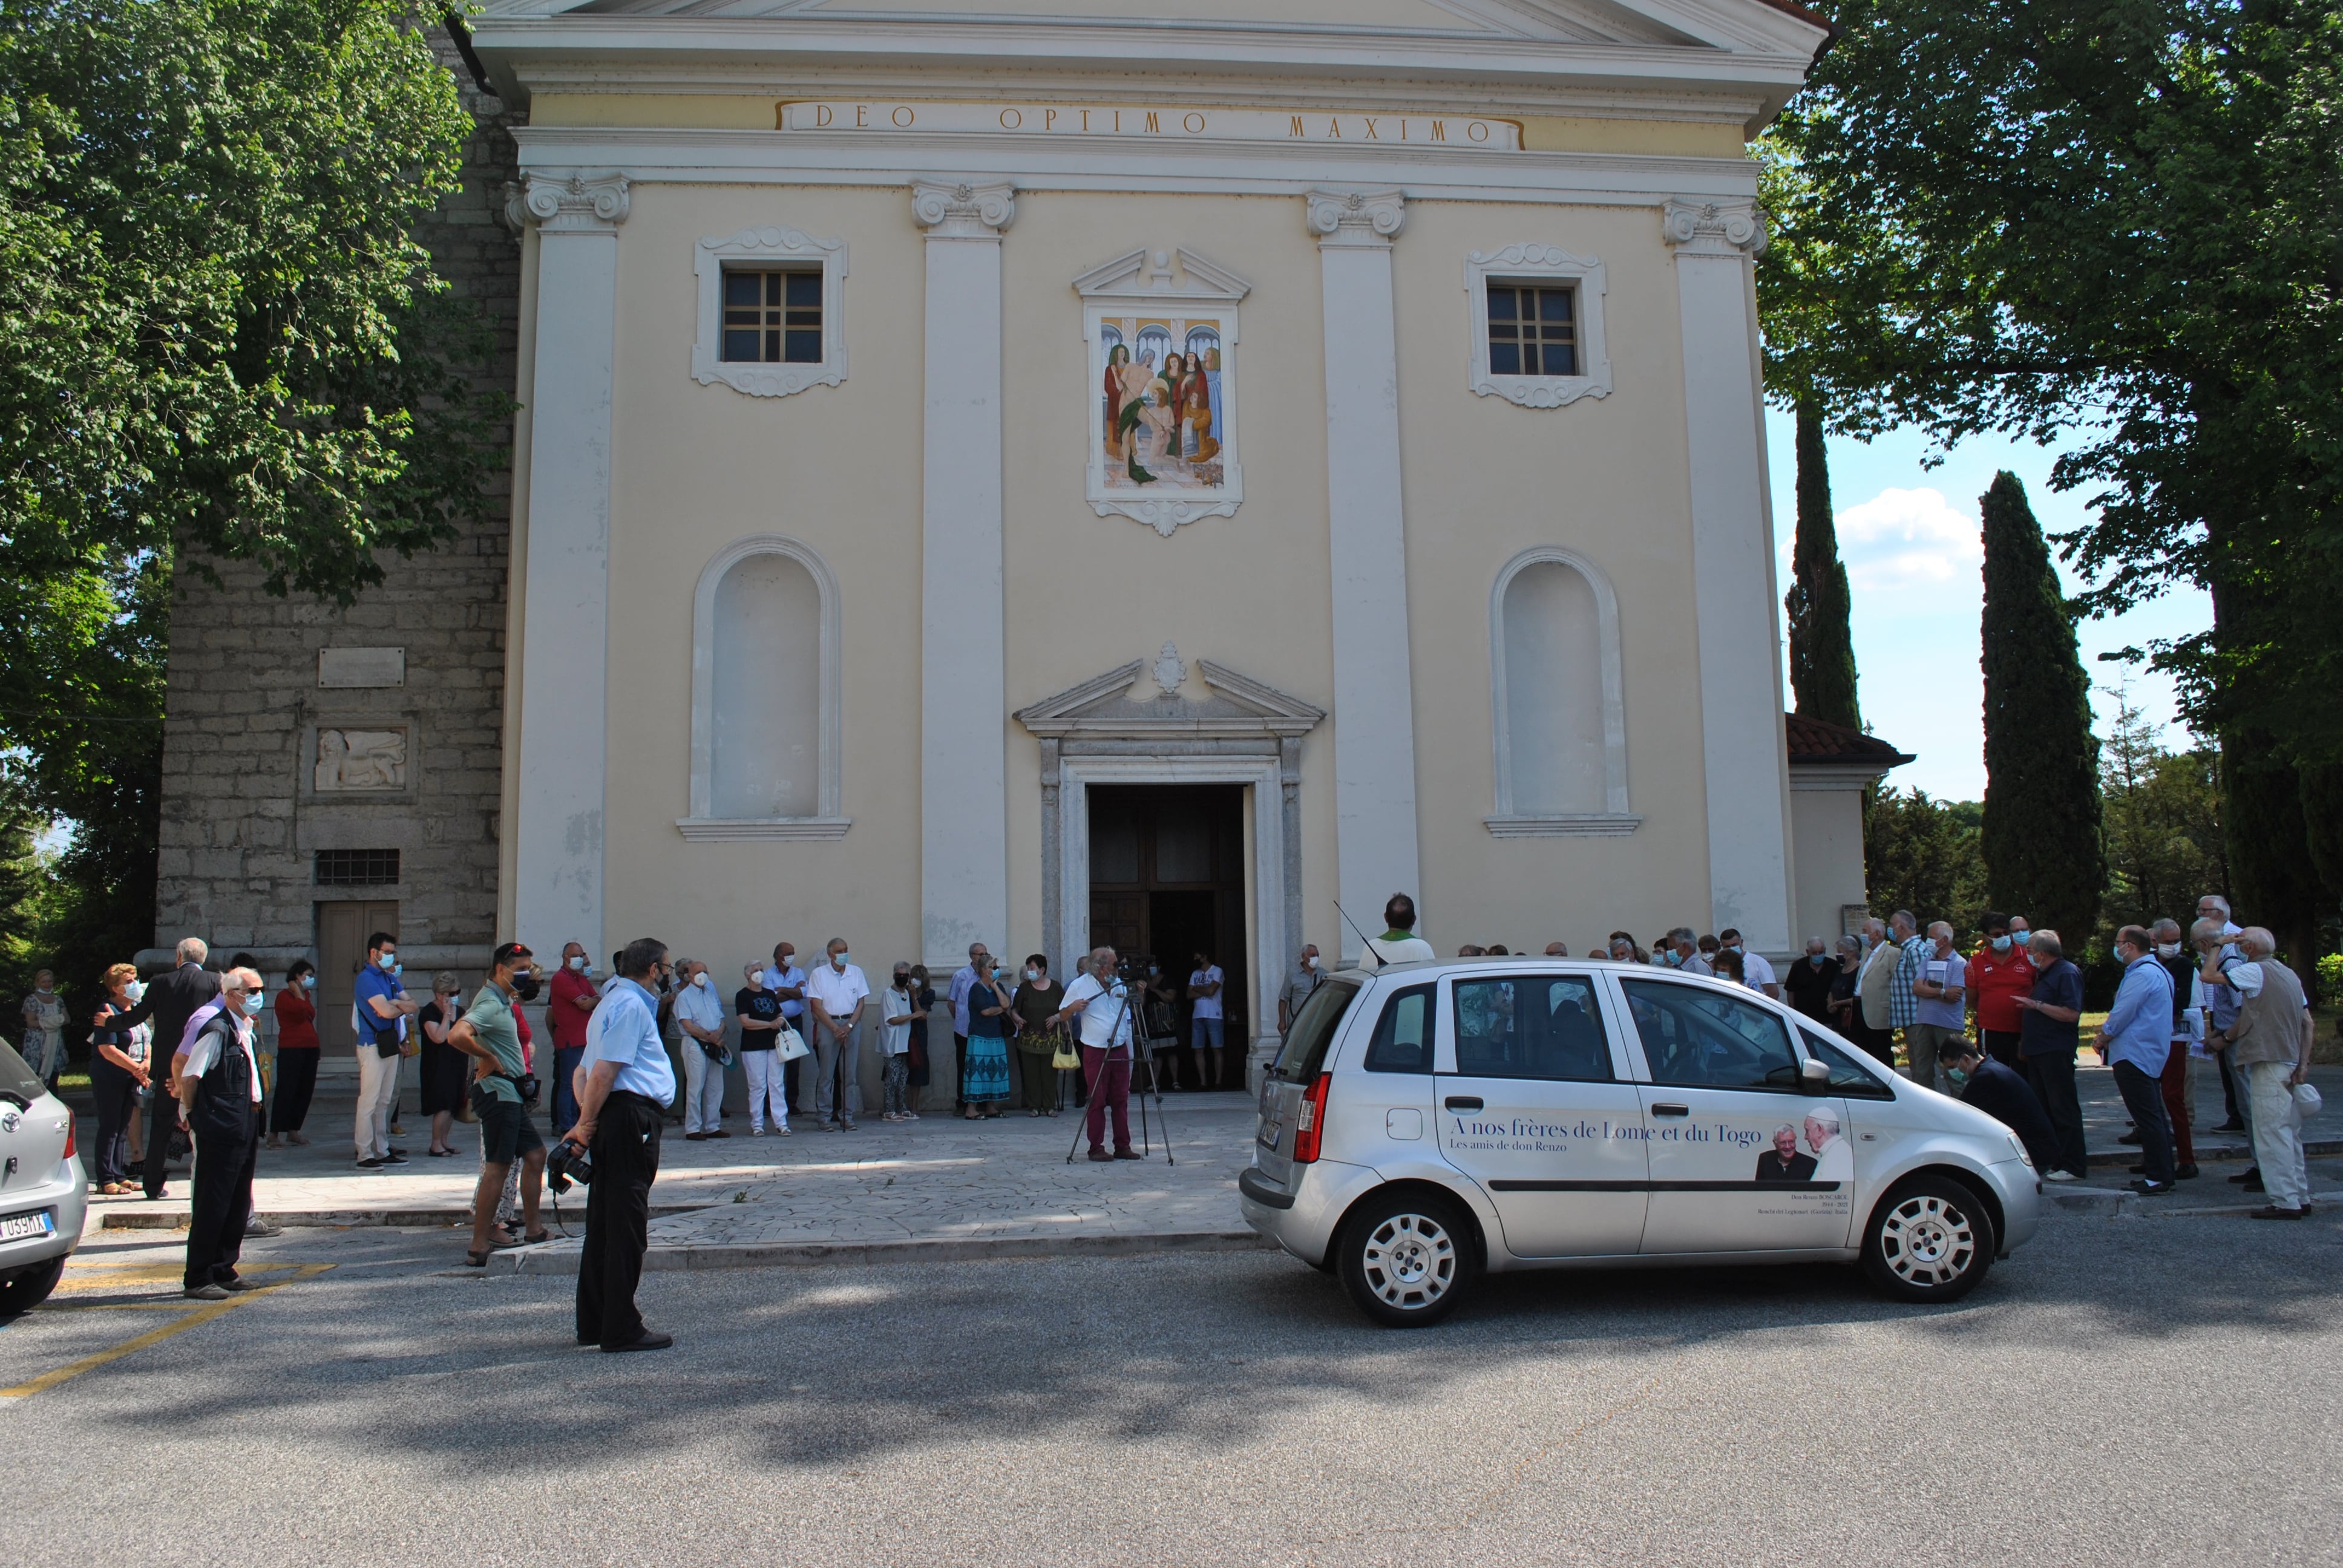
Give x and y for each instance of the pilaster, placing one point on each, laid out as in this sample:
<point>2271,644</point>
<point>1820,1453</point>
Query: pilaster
<point>558,867</point>
<point>1374,727</point>
<point>964,686</point>
<point>1733,533</point>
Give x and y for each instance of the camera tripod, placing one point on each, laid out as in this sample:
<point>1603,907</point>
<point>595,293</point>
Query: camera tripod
<point>1153,1085</point>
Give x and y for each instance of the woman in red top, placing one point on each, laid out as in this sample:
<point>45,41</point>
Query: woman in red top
<point>296,1054</point>
<point>1998,975</point>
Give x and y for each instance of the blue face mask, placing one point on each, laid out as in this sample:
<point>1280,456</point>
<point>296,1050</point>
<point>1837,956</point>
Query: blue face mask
<point>1957,1076</point>
<point>387,964</point>
<point>1672,957</point>
<point>2116,953</point>
<point>1816,958</point>
<point>2001,944</point>
<point>1734,947</point>
<point>252,1004</point>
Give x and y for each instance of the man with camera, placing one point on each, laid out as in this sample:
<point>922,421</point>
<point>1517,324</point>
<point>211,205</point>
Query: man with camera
<point>1101,999</point>
<point>625,1083</point>
<point>499,1097</point>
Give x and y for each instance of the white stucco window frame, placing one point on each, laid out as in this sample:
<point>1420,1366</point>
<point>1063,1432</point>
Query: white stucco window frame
<point>765,248</point>
<point>1617,818</point>
<point>1539,264</point>
<point>828,821</point>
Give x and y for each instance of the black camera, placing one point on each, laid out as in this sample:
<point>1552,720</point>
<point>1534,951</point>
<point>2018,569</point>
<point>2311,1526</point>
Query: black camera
<point>566,1162</point>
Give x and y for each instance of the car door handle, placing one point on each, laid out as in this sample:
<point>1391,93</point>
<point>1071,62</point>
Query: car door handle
<point>1671,1111</point>
<point>1462,1102</point>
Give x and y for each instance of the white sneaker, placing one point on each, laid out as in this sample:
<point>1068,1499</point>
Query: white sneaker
<point>2057,1176</point>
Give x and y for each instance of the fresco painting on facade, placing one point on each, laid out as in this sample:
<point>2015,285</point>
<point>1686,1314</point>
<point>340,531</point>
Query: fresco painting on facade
<point>1161,381</point>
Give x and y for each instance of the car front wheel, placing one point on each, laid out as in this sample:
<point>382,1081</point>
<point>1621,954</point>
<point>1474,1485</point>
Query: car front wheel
<point>31,1288</point>
<point>1930,1240</point>
<point>1407,1260</point>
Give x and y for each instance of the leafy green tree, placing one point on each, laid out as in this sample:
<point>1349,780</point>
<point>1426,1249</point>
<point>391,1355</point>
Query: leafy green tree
<point>221,350</point>
<point>1921,855</point>
<point>2162,811</point>
<point>1822,648</point>
<point>2277,886</point>
<point>2115,222</point>
<point>2041,841</point>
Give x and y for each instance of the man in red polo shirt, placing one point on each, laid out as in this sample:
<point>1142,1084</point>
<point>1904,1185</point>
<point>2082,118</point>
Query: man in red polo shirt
<point>1998,975</point>
<point>571,1007</point>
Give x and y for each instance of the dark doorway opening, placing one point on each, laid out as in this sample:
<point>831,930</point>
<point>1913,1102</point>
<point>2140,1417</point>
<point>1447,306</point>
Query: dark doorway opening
<point>1167,881</point>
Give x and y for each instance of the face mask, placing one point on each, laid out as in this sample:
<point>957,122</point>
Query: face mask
<point>525,987</point>
<point>839,961</point>
<point>251,1004</point>
<point>1737,948</point>
<point>1672,959</point>
<point>2001,944</point>
<point>700,979</point>
<point>387,964</point>
<point>2167,950</point>
<point>2116,953</point>
<point>134,989</point>
<point>579,963</point>
<point>1034,975</point>
<point>1955,1076</point>
<point>1311,962</point>
<point>786,963</point>
<point>45,989</point>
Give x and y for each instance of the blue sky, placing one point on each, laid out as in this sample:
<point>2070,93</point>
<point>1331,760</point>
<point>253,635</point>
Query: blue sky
<point>1909,536</point>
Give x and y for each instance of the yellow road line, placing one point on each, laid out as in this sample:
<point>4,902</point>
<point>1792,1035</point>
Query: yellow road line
<point>116,1276</point>
<point>194,1319</point>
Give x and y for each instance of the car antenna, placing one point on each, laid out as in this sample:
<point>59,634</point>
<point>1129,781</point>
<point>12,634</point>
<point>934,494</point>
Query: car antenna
<point>1362,935</point>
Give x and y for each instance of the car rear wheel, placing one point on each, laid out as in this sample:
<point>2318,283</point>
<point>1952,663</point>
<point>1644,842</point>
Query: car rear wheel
<point>31,1288</point>
<point>1930,1240</point>
<point>1406,1260</point>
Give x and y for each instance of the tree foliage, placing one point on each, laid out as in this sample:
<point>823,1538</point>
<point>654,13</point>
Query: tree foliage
<point>2120,223</point>
<point>221,350</point>
<point>1921,855</point>
<point>1821,645</point>
<point>2162,811</point>
<point>2041,837</point>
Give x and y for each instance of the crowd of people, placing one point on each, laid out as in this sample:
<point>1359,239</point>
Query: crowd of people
<point>2000,1025</point>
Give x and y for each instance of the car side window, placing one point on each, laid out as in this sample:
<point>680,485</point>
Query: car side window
<point>1402,1039</point>
<point>1848,1076</point>
<point>1531,1026</point>
<point>1695,1038</point>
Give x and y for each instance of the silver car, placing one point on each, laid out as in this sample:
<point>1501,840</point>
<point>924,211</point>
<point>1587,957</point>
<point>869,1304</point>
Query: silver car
<point>1434,1121</point>
<point>42,1192</point>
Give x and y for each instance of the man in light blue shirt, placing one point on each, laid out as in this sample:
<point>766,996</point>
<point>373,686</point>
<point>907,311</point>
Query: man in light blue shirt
<point>786,981</point>
<point>625,1083</point>
<point>2137,1037</point>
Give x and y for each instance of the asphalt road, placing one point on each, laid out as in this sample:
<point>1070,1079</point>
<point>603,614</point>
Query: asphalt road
<point>2140,1390</point>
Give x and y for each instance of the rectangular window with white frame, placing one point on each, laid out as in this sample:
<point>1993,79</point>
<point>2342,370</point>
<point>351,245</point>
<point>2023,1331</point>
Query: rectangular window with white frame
<point>1536,319</point>
<point>771,316</point>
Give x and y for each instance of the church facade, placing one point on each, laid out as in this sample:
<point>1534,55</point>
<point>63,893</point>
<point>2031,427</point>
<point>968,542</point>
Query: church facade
<point>1045,473</point>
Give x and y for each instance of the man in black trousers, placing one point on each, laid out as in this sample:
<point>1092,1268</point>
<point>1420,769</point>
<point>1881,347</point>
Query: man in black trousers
<point>170,1002</point>
<point>219,1097</point>
<point>625,1081</point>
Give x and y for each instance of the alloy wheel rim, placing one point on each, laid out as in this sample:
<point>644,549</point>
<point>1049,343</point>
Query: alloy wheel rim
<point>1928,1242</point>
<point>1409,1262</point>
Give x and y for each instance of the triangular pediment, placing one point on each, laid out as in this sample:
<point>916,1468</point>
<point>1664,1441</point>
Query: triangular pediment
<point>1106,705</point>
<point>1181,277</point>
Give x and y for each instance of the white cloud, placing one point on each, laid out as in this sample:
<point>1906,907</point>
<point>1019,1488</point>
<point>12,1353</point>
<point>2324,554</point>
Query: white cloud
<point>1903,539</point>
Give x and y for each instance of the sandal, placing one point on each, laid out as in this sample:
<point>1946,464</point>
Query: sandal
<point>440,1154</point>
<point>540,1237</point>
<point>477,1259</point>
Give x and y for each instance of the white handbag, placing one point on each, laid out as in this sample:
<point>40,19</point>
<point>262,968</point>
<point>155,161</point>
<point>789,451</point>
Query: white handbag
<point>792,1045</point>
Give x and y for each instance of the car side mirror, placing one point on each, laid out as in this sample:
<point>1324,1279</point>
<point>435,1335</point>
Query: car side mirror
<point>1814,1075</point>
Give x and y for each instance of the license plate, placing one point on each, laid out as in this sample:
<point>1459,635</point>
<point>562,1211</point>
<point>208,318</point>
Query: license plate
<point>1269,1135</point>
<point>17,1227</point>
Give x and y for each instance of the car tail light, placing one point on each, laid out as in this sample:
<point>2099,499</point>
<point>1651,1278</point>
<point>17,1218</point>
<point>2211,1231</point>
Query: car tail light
<point>69,1137</point>
<point>1310,1122</point>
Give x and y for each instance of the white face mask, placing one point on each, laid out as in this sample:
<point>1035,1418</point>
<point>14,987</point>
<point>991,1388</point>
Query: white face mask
<point>2167,950</point>
<point>700,979</point>
<point>135,991</point>
<point>579,963</point>
<point>1310,962</point>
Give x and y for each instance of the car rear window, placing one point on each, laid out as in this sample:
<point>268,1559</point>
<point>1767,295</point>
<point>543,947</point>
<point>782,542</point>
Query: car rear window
<point>1403,1041</point>
<point>18,1081</point>
<point>1304,1055</point>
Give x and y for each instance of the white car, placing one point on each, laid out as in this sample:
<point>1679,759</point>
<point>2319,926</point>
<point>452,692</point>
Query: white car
<point>1434,1121</point>
<point>44,1195</point>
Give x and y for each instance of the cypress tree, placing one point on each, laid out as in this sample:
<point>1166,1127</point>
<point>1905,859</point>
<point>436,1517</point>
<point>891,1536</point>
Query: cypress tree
<point>2041,844</point>
<point>1822,649</point>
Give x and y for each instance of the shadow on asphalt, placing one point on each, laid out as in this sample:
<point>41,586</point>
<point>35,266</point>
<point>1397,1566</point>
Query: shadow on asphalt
<point>826,1366</point>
